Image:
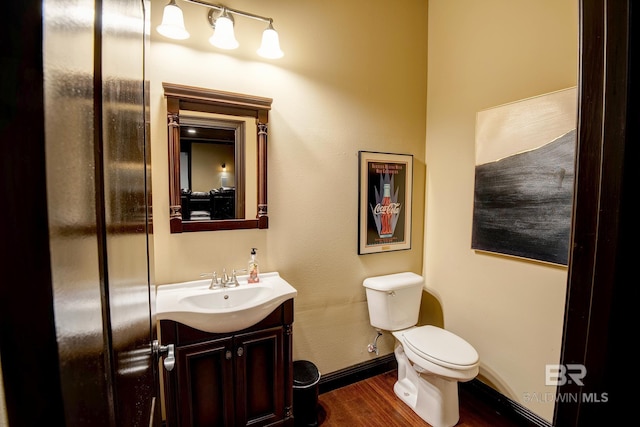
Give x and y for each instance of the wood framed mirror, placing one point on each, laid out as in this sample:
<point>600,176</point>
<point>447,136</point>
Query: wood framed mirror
<point>192,105</point>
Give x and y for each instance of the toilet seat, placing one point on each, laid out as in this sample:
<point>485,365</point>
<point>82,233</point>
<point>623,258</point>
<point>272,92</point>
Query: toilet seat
<point>440,347</point>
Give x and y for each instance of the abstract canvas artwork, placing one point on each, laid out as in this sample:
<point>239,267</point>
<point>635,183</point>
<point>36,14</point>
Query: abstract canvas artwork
<point>524,176</point>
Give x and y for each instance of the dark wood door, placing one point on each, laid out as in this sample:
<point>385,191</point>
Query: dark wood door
<point>260,377</point>
<point>230,380</point>
<point>205,384</point>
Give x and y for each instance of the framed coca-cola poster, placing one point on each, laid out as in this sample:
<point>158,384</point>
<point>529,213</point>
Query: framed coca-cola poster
<point>385,187</point>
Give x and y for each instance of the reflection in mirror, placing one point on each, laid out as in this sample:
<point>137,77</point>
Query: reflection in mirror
<point>212,172</point>
<point>216,140</point>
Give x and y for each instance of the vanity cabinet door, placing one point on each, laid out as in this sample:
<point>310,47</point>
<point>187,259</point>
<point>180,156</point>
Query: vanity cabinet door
<point>231,379</point>
<point>205,384</point>
<point>259,377</point>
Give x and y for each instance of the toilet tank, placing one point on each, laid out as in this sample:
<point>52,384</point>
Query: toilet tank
<point>394,300</point>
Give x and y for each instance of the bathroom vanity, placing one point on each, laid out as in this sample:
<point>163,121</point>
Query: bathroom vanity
<point>231,379</point>
<point>227,351</point>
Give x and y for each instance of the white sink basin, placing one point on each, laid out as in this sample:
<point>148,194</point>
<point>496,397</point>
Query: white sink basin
<point>226,309</point>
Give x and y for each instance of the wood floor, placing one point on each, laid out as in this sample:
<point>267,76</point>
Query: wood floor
<point>372,403</point>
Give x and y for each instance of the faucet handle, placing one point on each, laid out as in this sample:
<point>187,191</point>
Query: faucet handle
<point>214,279</point>
<point>234,276</point>
<point>214,275</point>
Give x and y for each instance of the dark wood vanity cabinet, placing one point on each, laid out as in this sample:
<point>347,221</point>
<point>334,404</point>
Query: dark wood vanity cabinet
<point>243,378</point>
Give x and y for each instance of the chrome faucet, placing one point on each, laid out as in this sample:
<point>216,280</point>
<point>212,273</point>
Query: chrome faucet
<point>225,278</point>
<point>231,282</point>
<point>225,281</point>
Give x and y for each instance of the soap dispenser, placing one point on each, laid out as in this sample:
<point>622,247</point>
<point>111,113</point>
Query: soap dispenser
<point>253,267</point>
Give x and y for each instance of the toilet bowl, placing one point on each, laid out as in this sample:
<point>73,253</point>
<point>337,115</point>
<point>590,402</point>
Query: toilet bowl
<point>431,360</point>
<point>440,352</point>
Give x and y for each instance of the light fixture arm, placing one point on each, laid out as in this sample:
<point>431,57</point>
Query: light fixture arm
<point>230,10</point>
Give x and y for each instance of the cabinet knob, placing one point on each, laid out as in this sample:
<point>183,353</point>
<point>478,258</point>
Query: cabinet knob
<point>228,355</point>
<point>240,351</point>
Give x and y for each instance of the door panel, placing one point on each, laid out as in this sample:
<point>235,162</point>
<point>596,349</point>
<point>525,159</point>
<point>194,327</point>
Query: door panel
<point>97,177</point>
<point>205,379</point>
<point>124,173</point>
<point>259,377</point>
<point>76,280</point>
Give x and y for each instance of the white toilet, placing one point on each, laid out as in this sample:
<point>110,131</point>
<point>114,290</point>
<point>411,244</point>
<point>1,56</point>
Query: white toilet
<point>431,361</point>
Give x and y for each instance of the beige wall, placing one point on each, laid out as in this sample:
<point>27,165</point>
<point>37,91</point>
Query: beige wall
<point>484,54</point>
<point>206,166</point>
<point>344,85</point>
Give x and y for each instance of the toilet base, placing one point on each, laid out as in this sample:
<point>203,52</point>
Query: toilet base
<point>433,398</point>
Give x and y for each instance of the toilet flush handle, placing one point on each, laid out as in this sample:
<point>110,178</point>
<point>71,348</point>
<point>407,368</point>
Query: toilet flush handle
<point>391,293</point>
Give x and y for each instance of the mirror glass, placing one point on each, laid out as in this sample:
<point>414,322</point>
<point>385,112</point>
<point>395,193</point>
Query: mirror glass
<point>217,159</point>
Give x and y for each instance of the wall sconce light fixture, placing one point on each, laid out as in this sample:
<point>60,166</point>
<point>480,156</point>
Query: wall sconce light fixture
<point>221,19</point>
<point>224,167</point>
<point>223,35</point>
<point>172,25</point>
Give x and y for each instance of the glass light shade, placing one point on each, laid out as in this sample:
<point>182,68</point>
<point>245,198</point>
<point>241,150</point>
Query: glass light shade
<point>270,47</point>
<point>172,25</point>
<point>223,35</point>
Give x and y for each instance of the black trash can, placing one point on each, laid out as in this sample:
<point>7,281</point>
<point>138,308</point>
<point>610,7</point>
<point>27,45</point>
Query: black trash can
<point>305,393</point>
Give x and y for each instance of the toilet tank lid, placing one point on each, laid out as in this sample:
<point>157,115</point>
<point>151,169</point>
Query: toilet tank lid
<point>390,282</point>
